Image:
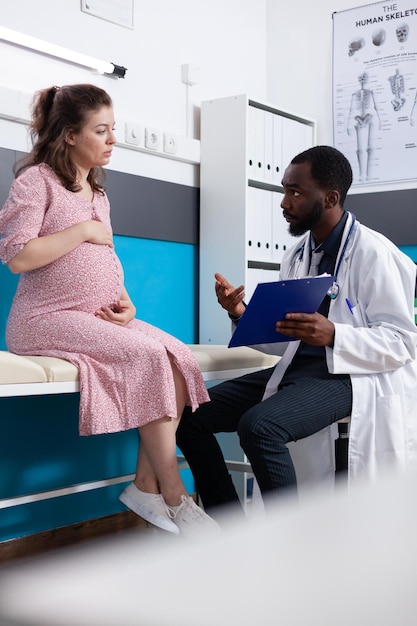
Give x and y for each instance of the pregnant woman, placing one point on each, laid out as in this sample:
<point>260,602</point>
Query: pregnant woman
<point>71,301</point>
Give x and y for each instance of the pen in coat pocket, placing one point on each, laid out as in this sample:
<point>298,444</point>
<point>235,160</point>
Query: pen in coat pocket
<point>349,306</point>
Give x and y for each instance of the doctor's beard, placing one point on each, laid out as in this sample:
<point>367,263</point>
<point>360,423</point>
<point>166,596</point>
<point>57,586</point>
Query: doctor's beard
<point>310,220</point>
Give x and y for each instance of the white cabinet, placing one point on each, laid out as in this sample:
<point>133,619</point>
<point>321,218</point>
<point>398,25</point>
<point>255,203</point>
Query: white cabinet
<point>245,148</point>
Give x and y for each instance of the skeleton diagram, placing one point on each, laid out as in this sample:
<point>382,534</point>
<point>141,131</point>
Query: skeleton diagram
<point>402,33</point>
<point>355,45</point>
<point>397,88</point>
<point>362,120</point>
<point>378,37</point>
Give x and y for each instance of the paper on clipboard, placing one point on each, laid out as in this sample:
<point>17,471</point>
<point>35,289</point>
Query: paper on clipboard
<point>270,303</point>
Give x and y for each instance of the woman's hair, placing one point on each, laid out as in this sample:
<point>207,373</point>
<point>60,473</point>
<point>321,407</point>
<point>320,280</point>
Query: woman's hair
<point>329,168</point>
<point>55,112</point>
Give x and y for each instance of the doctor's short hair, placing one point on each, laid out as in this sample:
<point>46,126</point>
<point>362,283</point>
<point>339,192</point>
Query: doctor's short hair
<point>329,168</point>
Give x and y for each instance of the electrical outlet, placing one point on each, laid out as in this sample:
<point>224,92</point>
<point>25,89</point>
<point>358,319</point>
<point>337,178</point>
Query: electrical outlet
<point>170,143</point>
<point>152,138</point>
<point>134,134</point>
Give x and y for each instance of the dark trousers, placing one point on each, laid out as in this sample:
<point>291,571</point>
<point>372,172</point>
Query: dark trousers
<point>307,400</point>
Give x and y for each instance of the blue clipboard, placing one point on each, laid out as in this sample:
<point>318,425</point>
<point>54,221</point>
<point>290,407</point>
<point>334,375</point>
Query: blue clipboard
<point>270,303</point>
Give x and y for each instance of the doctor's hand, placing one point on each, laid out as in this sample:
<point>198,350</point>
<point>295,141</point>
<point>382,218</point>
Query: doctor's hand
<point>312,328</point>
<point>229,297</point>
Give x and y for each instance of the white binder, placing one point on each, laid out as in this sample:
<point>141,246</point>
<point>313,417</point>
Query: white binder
<point>256,143</point>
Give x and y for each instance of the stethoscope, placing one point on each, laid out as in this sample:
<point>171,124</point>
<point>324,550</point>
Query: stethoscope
<point>296,261</point>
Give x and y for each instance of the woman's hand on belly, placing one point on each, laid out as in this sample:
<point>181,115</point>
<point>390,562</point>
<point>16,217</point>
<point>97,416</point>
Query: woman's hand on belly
<point>121,314</point>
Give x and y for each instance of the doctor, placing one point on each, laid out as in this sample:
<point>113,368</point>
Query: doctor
<point>354,356</point>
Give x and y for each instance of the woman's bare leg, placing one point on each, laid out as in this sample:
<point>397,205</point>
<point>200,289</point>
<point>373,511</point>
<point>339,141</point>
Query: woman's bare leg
<point>157,467</point>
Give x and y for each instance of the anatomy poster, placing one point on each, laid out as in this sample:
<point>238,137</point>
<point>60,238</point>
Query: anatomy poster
<point>375,91</point>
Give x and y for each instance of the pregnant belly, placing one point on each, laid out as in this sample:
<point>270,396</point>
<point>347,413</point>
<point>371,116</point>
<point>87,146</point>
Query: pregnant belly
<point>88,277</point>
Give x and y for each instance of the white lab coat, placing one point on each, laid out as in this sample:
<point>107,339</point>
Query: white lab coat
<point>376,345</point>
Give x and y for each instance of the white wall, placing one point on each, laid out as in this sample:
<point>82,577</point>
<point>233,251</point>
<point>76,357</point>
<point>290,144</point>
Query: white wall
<point>225,38</point>
<point>275,51</point>
<point>299,59</point>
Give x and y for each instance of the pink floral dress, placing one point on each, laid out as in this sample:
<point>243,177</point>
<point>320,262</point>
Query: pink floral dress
<point>125,373</point>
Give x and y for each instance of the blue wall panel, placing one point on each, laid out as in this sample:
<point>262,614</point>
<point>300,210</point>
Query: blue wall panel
<point>8,284</point>
<point>160,276</point>
<point>162,280</point>
<point>40,450</point>
<point>411,251</point>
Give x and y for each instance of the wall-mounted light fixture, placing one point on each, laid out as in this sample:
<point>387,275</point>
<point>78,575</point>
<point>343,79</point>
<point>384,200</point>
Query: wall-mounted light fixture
<point>26,41</point>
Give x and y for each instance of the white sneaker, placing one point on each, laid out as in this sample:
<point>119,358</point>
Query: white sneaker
<point>191,519</point>
<point>150,506</point>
